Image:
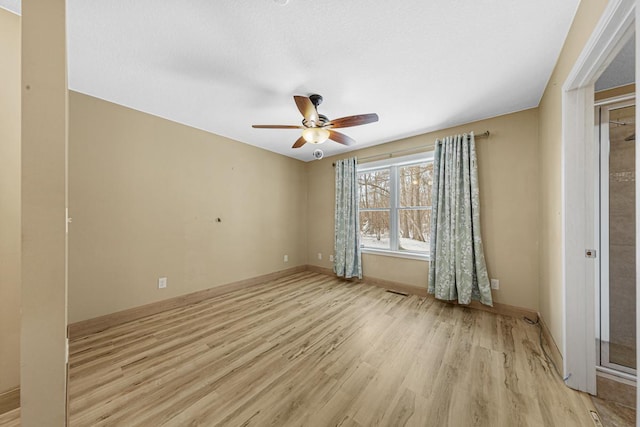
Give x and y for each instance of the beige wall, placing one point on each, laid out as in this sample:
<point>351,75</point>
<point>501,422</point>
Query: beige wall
<point>509,197</point>
<point>144,197</point>
<point>43,367</point>
<point>550,208</point>
<point>9,201</point>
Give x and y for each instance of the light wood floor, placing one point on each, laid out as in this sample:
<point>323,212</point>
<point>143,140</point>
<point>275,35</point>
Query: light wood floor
<point>614,414</point>
<point>312,350</point>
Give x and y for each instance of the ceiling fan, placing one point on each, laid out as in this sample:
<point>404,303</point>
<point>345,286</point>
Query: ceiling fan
<point>317,128</point>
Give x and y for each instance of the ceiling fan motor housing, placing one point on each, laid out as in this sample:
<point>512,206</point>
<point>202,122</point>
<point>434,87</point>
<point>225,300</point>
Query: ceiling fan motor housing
<point>322,120</point>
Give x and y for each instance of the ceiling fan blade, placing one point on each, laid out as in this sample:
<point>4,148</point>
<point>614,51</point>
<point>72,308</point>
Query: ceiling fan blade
<point>341,138</point>
<point>306,107</point>
<point>277,127</point>
<point>299,143</point>
<point>360,119</point>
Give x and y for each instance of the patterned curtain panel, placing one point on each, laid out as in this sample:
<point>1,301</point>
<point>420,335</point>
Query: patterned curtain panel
<point>347,261</point>
<point>458,269</point>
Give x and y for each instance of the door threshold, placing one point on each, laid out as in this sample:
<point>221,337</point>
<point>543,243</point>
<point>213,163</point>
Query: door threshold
<point>612,374</point>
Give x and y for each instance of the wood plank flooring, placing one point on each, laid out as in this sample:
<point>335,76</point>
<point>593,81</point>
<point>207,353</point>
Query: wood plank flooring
<point>314,350</point>
<point>614,414</point>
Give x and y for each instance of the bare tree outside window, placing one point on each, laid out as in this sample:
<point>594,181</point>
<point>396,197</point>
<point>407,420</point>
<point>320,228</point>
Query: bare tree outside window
<point>414,210</point>
<point>401,194</point>
<point>375,208</point>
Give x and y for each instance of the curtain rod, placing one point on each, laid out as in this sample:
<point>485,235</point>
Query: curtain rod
<point>390,154</point>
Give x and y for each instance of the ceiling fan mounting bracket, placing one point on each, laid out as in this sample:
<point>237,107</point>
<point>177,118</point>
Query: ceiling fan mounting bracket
<point>315,99</point>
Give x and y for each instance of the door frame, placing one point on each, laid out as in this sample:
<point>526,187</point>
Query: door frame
<point>580,204</point>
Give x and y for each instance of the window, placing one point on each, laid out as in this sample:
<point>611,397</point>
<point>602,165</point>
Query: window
<point>395,205</point>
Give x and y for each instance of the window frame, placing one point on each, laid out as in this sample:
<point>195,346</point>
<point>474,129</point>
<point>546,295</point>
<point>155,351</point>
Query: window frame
<point>394,164</point>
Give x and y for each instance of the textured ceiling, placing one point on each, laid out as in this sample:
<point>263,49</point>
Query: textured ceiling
<point>11,5</point>
<point>224,65</point>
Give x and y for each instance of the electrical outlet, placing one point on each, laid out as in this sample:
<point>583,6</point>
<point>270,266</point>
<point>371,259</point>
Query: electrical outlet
<point>286,258</point>
<point>495,284</point>
<point>162,283</point>
<point>319,255</point>
<point>331,257</point>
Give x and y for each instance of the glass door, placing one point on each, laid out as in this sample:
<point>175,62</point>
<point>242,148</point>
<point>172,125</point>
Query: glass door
<point>617,329</point>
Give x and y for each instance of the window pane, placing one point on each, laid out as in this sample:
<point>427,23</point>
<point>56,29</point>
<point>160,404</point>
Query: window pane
<point>374,229</point>
<point>415,184</point>
<point>374,189</point>
<point>413,229</point>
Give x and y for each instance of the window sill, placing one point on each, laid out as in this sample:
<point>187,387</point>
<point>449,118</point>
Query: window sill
<point>397,254</point>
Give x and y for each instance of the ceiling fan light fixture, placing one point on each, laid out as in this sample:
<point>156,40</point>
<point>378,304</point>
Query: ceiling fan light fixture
<point>315,135</point>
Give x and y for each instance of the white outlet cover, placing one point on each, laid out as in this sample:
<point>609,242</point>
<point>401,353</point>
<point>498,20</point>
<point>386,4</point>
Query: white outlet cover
<point>286,258</point>
<point>162,283</point>
<point>319,255</point>
<point>495,284</point>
